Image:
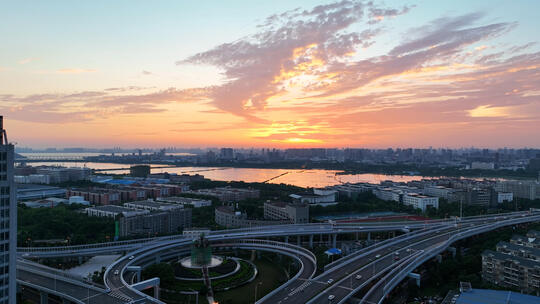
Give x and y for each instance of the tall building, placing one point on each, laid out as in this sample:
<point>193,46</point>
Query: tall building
<point>8,221</point>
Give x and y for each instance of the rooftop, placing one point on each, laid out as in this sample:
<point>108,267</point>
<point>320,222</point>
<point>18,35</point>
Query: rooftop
<point>483,296</point>
<point>514,259</point>
<point>514,247</point>
<point>113,208</point>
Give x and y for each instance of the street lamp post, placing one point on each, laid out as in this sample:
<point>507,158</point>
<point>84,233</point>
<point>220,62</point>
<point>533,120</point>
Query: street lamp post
<point>256,285</point>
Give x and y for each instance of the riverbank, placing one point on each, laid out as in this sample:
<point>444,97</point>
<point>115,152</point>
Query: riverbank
<point>341,168</point>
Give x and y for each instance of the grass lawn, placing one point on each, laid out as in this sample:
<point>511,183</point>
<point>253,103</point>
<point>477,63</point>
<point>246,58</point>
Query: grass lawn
<point>270,276</point>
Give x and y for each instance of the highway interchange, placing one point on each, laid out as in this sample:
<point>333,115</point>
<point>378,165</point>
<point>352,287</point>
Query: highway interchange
<point>355,274</point>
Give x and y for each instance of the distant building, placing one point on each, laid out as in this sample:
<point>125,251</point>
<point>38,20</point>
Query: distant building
<point>483,165</point>
<point>295,213</point>
<point>422,202</point>
<point>226,154</point>
<point>139,170</point>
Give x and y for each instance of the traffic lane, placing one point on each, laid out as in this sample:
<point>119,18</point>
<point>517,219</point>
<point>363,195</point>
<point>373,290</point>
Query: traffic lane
<point>305,276</point>
<point>317,286</point>
<point>314,291</point>
<point>70,289</point>
<point>362,276</point>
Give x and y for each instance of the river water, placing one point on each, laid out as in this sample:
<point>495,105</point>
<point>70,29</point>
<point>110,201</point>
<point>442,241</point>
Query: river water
<point>297,177</point>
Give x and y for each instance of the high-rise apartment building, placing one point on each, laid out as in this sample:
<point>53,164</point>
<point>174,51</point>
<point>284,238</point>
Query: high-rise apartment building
<point>8,221</point>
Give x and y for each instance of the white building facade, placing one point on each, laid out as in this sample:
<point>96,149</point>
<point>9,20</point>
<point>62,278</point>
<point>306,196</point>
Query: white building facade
<point>422,202</point>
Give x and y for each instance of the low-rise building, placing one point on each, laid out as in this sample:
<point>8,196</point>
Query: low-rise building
<point>33,192</point>
<point>229,194</point>
<point>352,190</point>
<point>439,191</point>
<point>515,264</point>
<point>522,189</point>
<point>530,253</point>
<point>526,241</point>
<point>422,202</point>
<point>295,213</point>
<point>195,202</point>
<point>195,232</point>
<point>322,197</point>
<point>501,197</point>
<point>97,196</point>
<point>155,223</point>
<point>226,216</point>
<point>510,271</point>
<point>114,211</point>
<point>388,194</point>
<point>153,206</point>
<point>482,165</point>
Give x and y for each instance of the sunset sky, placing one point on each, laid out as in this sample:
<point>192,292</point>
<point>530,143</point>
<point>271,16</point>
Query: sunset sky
<point>275,73</point>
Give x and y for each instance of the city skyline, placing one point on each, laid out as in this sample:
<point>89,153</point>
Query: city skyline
<point>285,75</point>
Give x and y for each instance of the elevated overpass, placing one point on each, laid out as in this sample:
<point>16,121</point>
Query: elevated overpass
<point>372,263</point>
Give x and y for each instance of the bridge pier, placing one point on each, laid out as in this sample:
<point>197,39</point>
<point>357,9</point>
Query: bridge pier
<point>158,259</point>
<point>334,240</point>
<point>286,239</point>
<point>156,292</point>
<point>43,297</point>
<point>299,240</point>
<point>137,270</point>
<point>453,251</point>
<point>311,241</point>
<point>369,236</point>
<point>151,283</point>
<point>439,258</point>
<point>356,236</point>
<point>80,260</point>
<point>415,276</point>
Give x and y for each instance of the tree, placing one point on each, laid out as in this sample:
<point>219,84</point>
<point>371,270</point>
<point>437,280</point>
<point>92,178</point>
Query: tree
<point>163,271</point>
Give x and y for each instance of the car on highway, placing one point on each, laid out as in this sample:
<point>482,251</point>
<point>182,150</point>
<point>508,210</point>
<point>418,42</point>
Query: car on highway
<point>396,256</point>
<point>131,257</point>
<point>331,297</point>
<point>377,256</point>
<point>116,272</point>
<point>358,277</point>
<point>330,281</point>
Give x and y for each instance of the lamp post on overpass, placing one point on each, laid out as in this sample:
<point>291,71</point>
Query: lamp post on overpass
<point>256,285</point>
